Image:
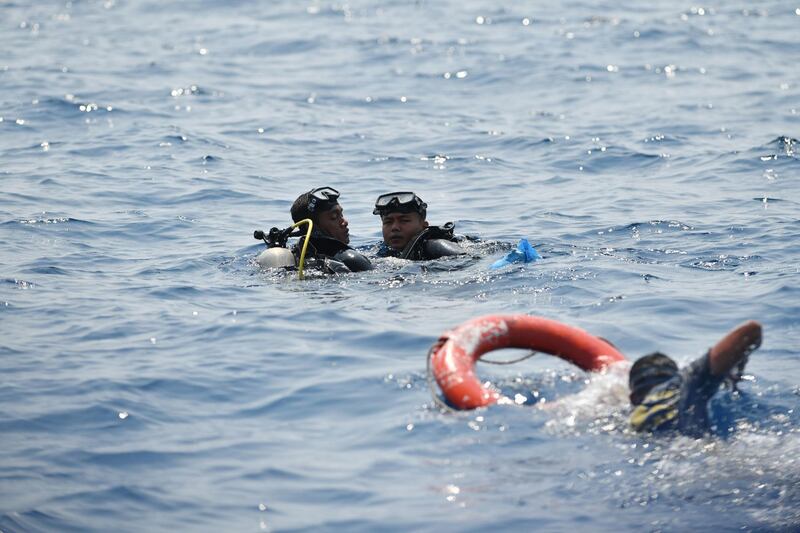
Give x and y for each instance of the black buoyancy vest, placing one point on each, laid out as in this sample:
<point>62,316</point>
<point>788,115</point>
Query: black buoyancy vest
<point>331,255</point>
<point>432,243</point>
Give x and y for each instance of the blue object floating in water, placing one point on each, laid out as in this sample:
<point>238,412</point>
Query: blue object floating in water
<point>525,253</point>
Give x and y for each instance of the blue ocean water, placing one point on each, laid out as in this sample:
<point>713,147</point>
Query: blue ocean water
<point>153,378</point>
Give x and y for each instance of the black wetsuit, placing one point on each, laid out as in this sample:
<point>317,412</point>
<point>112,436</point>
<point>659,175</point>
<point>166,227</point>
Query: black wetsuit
<point>330,255</point>
<point>431,243</point>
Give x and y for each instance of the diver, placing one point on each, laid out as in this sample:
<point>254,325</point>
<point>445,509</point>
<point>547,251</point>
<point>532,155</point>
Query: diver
<point>406,233</point>
<point>666,398</point>
<point>328,248</point>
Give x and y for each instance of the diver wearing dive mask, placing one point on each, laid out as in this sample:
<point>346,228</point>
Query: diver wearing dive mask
<point>406,232</point>
<point>328,244</point>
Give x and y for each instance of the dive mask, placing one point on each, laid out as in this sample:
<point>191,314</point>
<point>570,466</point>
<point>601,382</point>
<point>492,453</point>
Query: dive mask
<point>399,202</point>
<point>322,198</point>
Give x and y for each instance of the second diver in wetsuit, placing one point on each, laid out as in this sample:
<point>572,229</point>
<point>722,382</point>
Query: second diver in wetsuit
<point>406,233</point>
<point>328,248</point>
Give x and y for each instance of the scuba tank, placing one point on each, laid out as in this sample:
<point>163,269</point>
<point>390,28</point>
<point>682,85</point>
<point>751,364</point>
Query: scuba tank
<point>277,254</point>
<point>275,257</point>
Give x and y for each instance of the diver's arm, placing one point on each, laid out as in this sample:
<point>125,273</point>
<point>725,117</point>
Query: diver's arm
<point>734,348</point>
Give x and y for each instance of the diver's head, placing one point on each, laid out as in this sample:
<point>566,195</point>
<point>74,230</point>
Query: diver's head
<point>321,205</point>
<point>402,217</point>
<point>649,371</point>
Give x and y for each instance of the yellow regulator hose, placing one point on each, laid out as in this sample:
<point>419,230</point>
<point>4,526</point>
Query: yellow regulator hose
<point>305,244</point>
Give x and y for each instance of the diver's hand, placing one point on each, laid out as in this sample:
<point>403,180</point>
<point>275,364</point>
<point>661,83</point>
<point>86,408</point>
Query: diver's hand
<point>735,375</point>
<point>731,352</point>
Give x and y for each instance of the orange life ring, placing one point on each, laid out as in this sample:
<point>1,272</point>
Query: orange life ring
<point>454,355</point>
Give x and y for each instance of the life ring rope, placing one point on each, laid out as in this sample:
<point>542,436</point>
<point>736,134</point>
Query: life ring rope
<point>511,361</point>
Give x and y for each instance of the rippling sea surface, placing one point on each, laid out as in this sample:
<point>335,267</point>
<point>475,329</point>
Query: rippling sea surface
<point>154,379</point>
